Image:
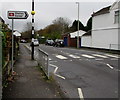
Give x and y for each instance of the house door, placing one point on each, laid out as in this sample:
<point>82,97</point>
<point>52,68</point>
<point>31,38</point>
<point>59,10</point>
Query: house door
<point>65,41</point>
<point>79,42</point>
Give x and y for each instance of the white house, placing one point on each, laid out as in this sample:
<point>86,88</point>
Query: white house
<point>86,40</point>
<point>16,33</point>
<point>106,27</point>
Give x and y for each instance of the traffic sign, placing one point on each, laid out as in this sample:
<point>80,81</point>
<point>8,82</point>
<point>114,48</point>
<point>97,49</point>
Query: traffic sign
<point>17,15</point>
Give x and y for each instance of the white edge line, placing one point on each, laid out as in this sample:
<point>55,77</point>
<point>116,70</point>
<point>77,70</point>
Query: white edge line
<point>109,66</point>
<point>60,76</point>
<point>80,94</point>
<point>56,68</point>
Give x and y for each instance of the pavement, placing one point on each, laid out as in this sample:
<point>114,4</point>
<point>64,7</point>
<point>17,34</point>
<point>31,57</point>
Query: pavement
<point>29,80</point>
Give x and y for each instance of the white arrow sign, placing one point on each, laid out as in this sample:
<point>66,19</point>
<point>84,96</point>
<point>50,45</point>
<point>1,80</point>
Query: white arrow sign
<point>17,15</point>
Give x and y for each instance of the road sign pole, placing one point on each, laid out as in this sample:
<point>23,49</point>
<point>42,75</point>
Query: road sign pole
<point>12,45</point>
<point>32,43</point>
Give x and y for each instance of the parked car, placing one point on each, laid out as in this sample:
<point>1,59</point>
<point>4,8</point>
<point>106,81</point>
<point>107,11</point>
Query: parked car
<point>36,42</point>
<point>59,43</point>
<point>23,41</point>
<point>49,42</point>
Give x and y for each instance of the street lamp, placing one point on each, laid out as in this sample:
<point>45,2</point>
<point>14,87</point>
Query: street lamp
<point>78,27</point>
<point>32,44</point>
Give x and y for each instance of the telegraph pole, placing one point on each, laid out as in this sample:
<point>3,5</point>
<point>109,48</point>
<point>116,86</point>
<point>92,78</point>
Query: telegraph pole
<point>78,28</point>
<point>32,43</point>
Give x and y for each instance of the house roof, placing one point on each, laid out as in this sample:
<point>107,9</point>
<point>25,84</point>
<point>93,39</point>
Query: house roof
<point>87,33</point>
<point>75,34</point>
<point>2,20</point>
<point>16,33</point>
<point>115,5</point>
<point>102,11</point>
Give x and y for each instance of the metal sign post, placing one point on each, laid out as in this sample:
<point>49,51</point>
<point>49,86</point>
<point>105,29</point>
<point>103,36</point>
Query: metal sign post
<point>15,15</point>
<point>12,44</point>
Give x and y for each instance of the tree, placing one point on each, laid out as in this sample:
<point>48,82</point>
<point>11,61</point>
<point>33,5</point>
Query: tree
<point>75,26</point>
<point>89,24</point>
<point>27,33</point>
<point>58,27</point>
<point>62,23</point>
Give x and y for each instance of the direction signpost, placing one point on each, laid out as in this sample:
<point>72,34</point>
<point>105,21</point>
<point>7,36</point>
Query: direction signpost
<point>15,15</point>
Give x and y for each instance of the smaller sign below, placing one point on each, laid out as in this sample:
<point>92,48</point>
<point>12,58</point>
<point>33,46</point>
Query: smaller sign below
<point>17,15</point>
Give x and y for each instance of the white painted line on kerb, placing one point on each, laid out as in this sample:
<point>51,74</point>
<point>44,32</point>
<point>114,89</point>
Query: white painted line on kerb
<point>74,56</point>
<point>80,94</point>
<point>109,66</point>
<point>61,57</point>
<point>88,56</point>
<point>99,56</point>
<point>56,68</point>
<point>114,56</point>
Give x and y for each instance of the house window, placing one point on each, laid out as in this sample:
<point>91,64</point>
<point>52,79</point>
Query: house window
<point>117,16</point>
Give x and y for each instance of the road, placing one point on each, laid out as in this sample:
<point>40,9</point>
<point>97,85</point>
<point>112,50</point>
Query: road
<point>84,73</point>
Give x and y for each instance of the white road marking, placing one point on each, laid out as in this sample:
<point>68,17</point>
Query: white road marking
<point>67,53</point>
<point>61,57</point>
<point>80,94</point>
<point>114,56</point>
<point>109,66</point>
<point>99,56</point>
<point>50,59</point>
<point>88,56</point>
<point>74,56</point>
<point>28,47</point>
<point>114,59</point>
<point>60,76</point>
<point>76,53</point>
<point>56,68</point>
<point>98,59</point>
<point>53,61</point>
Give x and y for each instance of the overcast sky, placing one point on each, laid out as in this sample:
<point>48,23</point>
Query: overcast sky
<point>46,11</point>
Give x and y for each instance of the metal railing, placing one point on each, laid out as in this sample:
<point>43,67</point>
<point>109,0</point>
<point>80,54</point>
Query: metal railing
<point>43,60</point>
